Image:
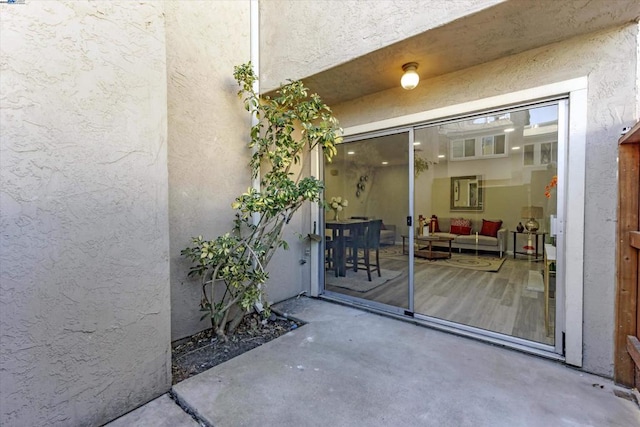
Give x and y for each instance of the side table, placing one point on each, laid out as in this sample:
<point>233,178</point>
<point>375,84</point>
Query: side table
<point>537,254</point>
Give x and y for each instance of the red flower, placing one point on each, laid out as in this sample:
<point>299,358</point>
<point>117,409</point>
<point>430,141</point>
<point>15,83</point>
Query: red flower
<point>548,187</point>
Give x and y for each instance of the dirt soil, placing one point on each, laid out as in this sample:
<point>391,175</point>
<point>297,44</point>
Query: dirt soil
<point>204,350</point>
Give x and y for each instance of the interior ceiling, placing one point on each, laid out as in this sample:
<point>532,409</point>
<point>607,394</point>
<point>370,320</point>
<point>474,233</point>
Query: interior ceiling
<point>505,29</point>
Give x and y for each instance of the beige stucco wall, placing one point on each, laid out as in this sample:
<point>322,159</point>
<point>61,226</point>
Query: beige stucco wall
<point>609,60</point>
<point>208,154</point>
<point>208,133</point>
<point>84,303</point>
<point>87,91</point>
<point>301,38</point>
<point>290,269</point>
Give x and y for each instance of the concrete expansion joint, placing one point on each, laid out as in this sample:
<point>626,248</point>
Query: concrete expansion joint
<point>188,409</point>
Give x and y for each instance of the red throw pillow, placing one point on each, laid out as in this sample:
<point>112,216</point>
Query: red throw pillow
<point>460,226</point>
<point>490,228</point>
<point>460,229</point>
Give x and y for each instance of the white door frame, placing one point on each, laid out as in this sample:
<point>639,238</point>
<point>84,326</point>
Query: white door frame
<point>573,226</point>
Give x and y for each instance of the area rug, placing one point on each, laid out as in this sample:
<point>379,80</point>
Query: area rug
<point>471,262</point>
<point>391,251</point>
<point>487,263</point>
<point>357,280</point>
<point>535,281</point>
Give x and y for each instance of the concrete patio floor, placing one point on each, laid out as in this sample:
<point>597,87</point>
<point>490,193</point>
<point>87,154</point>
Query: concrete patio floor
<point>348,367</point>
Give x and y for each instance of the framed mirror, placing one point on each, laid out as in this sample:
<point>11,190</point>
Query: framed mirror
<point>467,193</point>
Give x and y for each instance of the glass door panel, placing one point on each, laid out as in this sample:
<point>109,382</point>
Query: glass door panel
<point>367,196</point>
<point>485,204</point>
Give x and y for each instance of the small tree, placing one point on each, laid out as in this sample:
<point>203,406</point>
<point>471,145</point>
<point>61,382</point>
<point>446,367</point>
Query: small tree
<point>232,267</point>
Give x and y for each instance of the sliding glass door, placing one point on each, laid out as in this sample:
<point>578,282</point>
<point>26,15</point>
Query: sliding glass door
<point>367,190</point>
<point>464,215</point>
<point>486,255</point>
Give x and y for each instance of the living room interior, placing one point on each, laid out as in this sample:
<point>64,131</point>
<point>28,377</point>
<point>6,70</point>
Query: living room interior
<point>481,254</point>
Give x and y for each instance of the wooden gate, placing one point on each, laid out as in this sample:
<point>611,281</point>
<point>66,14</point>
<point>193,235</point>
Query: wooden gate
<point>627,344</point>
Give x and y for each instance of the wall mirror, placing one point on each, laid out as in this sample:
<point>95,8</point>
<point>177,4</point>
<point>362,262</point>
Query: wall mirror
<point>467,193</point>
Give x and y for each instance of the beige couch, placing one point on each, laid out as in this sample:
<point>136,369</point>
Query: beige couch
<point>388,234</point>
<point>484,243</point>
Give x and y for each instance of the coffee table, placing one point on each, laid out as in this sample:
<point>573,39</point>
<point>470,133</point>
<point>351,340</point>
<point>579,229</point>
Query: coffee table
<point>427,251</point>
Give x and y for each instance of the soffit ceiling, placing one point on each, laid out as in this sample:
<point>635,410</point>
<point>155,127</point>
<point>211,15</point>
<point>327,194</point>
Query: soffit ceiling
<point>505,29</point>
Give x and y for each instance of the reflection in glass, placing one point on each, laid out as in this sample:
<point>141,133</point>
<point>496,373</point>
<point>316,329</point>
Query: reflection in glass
<point>469,198</point>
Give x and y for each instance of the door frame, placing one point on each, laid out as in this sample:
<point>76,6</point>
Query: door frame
<point>569,334</point>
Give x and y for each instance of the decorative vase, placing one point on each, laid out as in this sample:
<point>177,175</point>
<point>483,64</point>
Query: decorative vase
<point>532,226</point>
<point>520,227</point>
<point>335,215</point>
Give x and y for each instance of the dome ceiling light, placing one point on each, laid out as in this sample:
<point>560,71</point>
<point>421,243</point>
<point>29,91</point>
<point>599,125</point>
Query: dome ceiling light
<point>410,78</point>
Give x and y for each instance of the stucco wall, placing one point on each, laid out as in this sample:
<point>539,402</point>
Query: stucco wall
<point>290,270</point>
<point>84,303</point>
<point>208,133</point>
<point>609,59</point>
<point>303,37</point>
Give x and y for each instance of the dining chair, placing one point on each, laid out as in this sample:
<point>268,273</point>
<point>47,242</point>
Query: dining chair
<point>369,242</point>
<point>330,260</point>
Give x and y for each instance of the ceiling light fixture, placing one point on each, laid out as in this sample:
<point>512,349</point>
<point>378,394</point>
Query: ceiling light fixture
<point>509,129</point>
<point>515,148</point>
<point>410,78</point>
<point>417,143</point>
<point>385,163</point>
<point>441,156</point>
<point>351,152</point>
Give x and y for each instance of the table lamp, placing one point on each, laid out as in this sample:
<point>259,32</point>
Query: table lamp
<point>530,213</point>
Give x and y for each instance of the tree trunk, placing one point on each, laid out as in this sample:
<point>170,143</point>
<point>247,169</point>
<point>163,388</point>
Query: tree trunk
<point>236,315</point>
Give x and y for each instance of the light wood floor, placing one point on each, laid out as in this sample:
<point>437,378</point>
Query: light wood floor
<point>497,302</point>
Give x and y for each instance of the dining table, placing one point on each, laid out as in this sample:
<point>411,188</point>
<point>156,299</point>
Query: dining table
<point>343,232</point>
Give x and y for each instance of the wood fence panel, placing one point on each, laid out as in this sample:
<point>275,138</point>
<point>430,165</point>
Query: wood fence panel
<point>628,268</point>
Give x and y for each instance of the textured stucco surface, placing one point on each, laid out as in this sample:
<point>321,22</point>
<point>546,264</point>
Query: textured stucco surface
<point>86,93</point>
<point>609,59</point>
<point>208,154</point>
<point>290,270</point>
<point>304,37</point>
<point>84,302</point>
<point>365,43</point>
<point>208,134</point>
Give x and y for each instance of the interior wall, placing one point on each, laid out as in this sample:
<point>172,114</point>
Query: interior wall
<point>208,134</point>
<point>387,189</point>
<point>389,200</point>
<point>84,306</point>
<point>506,190</point>
<point>384,197</point>
<point>609,59</point>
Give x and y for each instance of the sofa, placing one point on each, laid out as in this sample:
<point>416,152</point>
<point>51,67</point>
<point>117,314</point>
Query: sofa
<point>387,231</point>
<point>388,234</point>
<point>462,240</point>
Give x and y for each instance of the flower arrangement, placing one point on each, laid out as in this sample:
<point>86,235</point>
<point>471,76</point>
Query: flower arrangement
<point>337,204</point>
<point>548,187</point>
